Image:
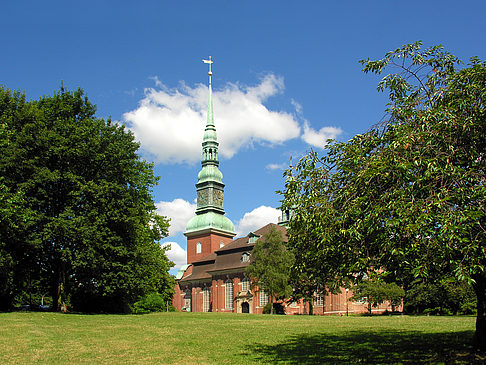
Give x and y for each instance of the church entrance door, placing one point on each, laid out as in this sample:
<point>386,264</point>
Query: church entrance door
<point>245,307</point>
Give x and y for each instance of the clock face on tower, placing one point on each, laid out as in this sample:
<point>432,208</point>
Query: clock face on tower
<point>202,198</point>
<point>218,198</point>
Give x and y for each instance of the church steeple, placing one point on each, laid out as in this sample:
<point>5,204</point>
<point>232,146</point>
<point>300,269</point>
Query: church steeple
<point>210,228</point>
<point>210,140</point>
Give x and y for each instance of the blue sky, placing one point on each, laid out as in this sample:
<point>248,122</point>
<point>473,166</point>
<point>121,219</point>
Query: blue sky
<point>286,77</point>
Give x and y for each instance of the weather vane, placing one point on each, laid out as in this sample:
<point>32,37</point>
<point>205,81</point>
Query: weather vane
<point>209,62</point>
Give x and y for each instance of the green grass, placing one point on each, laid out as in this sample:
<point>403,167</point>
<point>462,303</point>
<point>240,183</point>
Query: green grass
<point>212,338</point>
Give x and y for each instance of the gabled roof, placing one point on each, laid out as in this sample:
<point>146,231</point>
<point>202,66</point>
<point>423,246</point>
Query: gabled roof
<point>209,258</point>
<point>243,241</point>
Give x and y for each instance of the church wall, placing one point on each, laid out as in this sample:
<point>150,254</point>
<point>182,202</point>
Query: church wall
<point>209,244</point>
<point>192,255</point>
<point>333,304</point>
<point>178,297</point>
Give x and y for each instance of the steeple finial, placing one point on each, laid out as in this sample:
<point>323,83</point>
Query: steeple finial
<point>210,119</point>
<point>210,61</point>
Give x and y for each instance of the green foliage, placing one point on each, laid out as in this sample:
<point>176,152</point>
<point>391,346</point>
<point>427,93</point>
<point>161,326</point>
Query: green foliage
<point>408,196</point>
<point>153,302</point>
<point>273,308</point>
<point>440,297</point>
<point>267,309</point>
<point>376,292</point>
<point>270,265</point>
<point>88,228</point>
<point>13,273</point>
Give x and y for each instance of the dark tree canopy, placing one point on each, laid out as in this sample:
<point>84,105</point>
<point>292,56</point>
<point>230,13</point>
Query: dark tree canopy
<point>89,229</point>
<point>270,263</point>
<point>408,196</point>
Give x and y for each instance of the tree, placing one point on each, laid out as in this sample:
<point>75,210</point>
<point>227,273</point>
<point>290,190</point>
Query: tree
<point>443,296</point>
<point>12,276</point>
<point>376,292</point>
<point>408,196</point>
<point>270,264</point>
<point>91,232</point>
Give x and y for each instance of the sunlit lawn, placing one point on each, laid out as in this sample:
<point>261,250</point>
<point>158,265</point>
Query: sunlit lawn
<point>212,338</point>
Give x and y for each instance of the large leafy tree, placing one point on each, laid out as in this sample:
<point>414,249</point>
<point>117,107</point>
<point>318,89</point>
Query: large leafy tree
<point>407,198</point>
<point>12,275</point>
<point>270,264</point>
<point>91,231</point>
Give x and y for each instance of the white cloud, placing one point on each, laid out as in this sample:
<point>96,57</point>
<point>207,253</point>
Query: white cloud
<point>257,218</point>
<point>275,166</point>
<point>176,254</point>
<point>297,106</point>
<point>319,138</point>
<point>179,211</point>
<point>169,123</point>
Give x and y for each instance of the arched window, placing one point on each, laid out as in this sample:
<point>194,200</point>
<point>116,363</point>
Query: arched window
<point>198,247</point>
<point>245,284</point>
<point>263,298</point>
<point>228,294</point>
<point>221,244</point>
<point>206,299</point>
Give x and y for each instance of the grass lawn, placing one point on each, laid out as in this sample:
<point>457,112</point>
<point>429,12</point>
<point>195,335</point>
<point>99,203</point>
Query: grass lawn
<point>213,338</point>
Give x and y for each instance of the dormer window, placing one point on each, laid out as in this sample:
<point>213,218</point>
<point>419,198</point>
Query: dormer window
<point>252,237</point>
<point>245,257</point>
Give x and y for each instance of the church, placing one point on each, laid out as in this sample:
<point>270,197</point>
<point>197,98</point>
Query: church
<point>214,278</point>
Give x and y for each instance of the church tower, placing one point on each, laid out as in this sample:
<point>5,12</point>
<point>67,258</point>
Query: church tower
<point>209,230</point>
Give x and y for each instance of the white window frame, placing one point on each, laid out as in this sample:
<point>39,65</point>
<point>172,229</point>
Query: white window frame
<point>245,257</point>
<point>206,299</point>
<point>245,284</point>
<point>188,300</point>
<point>198,247</point>
<point>263,298</point>
<point>228,294</point>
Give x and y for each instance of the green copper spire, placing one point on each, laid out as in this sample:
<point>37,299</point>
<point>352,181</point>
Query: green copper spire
<point>210,139</point>
<point>210,187</point>
<point>210,118</point>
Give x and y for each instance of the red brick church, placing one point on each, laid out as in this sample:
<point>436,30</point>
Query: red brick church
<point>214,278</point>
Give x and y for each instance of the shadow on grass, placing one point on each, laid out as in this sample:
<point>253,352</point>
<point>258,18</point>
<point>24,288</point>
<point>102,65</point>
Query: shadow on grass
<point>373,348</point>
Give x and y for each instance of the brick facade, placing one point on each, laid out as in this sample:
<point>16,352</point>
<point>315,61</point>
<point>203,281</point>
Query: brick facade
<point>223,268</point>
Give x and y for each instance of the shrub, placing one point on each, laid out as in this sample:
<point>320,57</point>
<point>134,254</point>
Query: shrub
<point>278,308</point>
<point>153,302</point>
<point>267,308</point>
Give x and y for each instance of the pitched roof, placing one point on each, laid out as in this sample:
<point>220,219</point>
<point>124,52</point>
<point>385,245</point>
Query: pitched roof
<point>229,257</point>
<point>243,241</point>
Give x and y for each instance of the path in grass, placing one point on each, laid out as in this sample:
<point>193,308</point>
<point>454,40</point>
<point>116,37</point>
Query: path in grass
<point>212,338</point>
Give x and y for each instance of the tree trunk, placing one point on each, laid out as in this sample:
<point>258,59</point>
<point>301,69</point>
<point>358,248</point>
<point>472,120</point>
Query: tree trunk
<point>480,334</point>
<point>59,300</point>
<point>311,308</point>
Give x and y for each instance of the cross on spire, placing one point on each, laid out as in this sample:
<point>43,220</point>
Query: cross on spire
<point>210,61</point>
